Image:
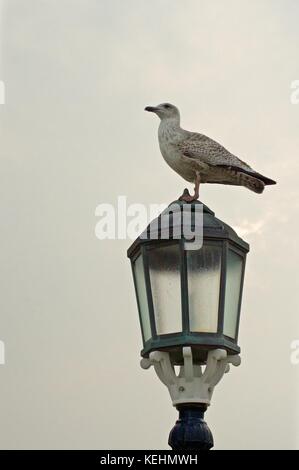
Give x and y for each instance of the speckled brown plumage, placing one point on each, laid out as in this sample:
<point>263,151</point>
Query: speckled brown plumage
<point>194,155</point>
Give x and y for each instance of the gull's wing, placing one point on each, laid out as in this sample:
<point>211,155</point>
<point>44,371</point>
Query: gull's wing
<point>202,148</point>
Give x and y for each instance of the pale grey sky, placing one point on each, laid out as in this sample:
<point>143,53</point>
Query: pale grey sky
<point>78,75</point>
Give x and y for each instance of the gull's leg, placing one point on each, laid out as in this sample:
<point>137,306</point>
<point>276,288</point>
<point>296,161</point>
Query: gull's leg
<point>197,184</point>
<point>186,196</point>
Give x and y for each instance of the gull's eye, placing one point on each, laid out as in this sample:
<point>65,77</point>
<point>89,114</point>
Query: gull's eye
<point>167,106</point>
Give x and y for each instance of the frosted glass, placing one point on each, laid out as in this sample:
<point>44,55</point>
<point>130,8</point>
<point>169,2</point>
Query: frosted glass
<point>164,268</point>
<point>232,293</point>
<point>142,297</point>
<point>204,268</point>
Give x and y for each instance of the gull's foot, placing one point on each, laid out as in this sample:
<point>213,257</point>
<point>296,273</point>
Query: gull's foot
<point>186,196</point>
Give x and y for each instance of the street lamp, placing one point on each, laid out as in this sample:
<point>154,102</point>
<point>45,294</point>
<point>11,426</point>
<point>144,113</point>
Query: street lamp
<point>188,269</point>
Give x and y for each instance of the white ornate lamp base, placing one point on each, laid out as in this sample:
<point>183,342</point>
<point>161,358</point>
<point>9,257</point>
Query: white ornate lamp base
<point>192,384</point>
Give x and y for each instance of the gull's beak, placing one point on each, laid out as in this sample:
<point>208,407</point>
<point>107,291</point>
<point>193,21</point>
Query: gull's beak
<point>151,109</point>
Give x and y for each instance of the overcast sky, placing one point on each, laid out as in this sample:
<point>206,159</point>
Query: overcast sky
<point>78,74</point>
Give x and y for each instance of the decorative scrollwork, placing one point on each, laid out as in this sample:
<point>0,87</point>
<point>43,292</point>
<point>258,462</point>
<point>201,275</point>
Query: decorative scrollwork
<point>192,384</point>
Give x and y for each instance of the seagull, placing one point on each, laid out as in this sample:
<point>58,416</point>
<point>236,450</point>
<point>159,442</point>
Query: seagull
<point>199,159</point>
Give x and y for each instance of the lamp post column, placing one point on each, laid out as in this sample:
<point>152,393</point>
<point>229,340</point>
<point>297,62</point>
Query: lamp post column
<point>191,432</point>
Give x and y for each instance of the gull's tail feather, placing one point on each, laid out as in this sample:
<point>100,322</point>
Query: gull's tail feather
<point>258,176</point>
<point>254,184</point>
<point>264,179</point>
<point>250,173</point>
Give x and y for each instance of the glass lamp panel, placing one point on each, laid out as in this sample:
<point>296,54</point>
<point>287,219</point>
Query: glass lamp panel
<point>142,297</point>
<point>164,269</point>
<point>232,293</point>
<point>204,272</point>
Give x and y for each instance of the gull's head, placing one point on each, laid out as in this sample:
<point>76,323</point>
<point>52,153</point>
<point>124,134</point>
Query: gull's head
<point>165,111</point>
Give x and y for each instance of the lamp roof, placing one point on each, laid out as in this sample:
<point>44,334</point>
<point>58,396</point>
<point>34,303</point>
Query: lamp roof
<point>212,226</point>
